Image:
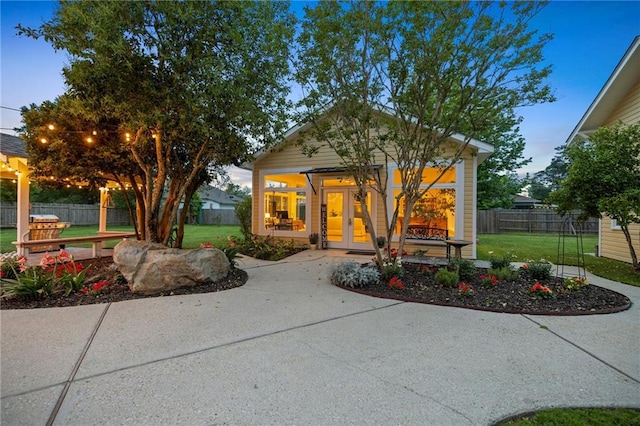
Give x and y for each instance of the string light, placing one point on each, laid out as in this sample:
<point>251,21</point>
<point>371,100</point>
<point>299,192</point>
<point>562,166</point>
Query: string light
<point>51,127</point>
<point>43,140</point>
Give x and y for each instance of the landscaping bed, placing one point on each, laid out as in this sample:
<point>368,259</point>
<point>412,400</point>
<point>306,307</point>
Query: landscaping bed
<point>103,270</point>
<point>417,284</point>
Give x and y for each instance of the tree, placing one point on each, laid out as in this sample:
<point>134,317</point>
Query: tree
<point>548,180</point>
<point>181,87</point>
<point>498,183</point>
<point>604,179</point>
<point>238,191</point>
<point>393,82</point>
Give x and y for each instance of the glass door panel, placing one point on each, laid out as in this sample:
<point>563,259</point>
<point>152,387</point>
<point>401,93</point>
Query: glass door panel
<point>359,232</point>
<point>335,216</point>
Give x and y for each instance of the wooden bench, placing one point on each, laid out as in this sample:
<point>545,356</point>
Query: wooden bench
<point>425,235</point>
<point>95,240</point>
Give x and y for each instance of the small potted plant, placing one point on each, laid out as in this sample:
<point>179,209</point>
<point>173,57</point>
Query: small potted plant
<point>381,241</point>
<point>313,239</point>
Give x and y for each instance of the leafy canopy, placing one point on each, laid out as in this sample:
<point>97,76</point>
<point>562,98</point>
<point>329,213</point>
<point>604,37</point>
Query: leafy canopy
<point>197,85</point>
<point>604,178</point>
<point>393,82</point>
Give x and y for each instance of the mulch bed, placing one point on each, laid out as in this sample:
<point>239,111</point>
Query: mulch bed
<point>118,288</point>
<point>507,296</point>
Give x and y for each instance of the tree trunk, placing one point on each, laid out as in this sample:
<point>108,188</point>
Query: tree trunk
<point>632,250</point>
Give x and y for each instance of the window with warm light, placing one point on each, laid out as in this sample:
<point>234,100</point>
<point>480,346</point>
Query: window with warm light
<point>285,202</point>
<point>436,209</point>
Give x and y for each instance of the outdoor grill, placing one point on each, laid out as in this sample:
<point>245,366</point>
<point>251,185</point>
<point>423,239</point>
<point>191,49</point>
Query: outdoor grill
<point>45,227</point>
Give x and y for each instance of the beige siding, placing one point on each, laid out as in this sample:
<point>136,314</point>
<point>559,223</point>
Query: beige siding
<point>614,245</point>
<point>628,111</point>
<point>290,157</point>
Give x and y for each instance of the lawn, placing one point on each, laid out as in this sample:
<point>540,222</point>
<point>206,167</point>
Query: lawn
<point>194,235</point>
<point>526,247</point>
<point>579,417</point>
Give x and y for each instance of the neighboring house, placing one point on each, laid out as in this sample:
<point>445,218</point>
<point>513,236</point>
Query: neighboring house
<point>522,202</point>
<point>290,189</point>
<point>214,198</point>
<point>618,100</point>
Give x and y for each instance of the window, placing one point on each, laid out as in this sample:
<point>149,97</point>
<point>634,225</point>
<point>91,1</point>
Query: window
<point>437,207</point>
<point>285,202</point>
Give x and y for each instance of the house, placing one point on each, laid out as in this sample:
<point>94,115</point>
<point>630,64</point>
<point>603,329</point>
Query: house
<point>214,198</point>
<point>618,100</point>
<point>522,202</point>
<point>295,195</point>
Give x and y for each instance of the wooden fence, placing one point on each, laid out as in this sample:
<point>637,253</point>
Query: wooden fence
<point>88,214</point>
<point>526,220</point>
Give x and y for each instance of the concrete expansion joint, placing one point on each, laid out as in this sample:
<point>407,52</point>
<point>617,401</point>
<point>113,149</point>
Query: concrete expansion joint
<point>575,345</point>
<point>76,367</point>
<point>390,383</point>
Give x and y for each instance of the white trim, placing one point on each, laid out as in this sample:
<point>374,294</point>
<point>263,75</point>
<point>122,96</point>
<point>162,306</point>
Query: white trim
<point>615,226</point>
<point>474,209</point>
<point>458,186</point>
<point>627,69</point>
<point>262,230</point>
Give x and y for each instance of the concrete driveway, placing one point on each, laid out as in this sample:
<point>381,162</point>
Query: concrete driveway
<point>290,348</point>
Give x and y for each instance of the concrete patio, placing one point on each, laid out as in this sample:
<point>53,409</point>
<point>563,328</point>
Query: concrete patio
<point>290,348</point>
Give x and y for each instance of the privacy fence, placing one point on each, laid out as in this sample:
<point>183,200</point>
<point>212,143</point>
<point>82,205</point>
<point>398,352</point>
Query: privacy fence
<point>526,220</point>
<point>88,214</point>
<point>488,222</point>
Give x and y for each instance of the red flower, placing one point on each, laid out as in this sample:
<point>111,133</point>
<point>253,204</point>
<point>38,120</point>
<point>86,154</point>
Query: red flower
<point>99,285</point>
<point>396,282</point>
<point>63,256</point>
<point>47,260</point>
<point>525,266</point>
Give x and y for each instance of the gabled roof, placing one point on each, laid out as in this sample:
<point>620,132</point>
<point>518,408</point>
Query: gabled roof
<point>624,77</point>
<point>484,149</point>
<point>12,146</point>
<point>209,193</point>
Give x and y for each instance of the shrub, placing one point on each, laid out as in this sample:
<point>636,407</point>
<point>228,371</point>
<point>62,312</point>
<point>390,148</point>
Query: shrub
<point>232,255</point>
<point>575,283</point>
<point>465,268</point>
<point>538,269</point>
<point>504,274</point>
<point>243,213</point>
<point>446,278</point>
<point>351,274</point>
<point>501,262</point>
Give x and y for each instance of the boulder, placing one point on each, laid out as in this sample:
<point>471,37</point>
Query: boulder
<point>152,268</point>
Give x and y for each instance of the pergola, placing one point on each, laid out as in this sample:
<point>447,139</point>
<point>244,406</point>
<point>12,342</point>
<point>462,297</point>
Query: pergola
<point>14,166</point>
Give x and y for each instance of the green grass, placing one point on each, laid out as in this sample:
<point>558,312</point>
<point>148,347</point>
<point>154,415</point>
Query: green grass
<point>528,247</point>
<point>580,417</point>
<point>194,235</point>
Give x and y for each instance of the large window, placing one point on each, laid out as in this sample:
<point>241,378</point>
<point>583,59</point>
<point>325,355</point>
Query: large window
<point>285,202</point>
<point>437,207</point>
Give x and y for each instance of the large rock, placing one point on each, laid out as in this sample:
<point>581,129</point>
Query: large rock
<point>152,268</point>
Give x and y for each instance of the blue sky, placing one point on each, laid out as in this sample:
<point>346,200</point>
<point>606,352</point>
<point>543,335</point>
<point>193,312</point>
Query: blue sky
<point>590,38</point>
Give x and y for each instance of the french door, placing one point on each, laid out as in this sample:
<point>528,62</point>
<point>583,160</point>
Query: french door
<point>346,224</point>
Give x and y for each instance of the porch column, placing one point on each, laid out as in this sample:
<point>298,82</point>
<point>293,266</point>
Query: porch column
<point>22,217</point>
<point>104,200</point>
